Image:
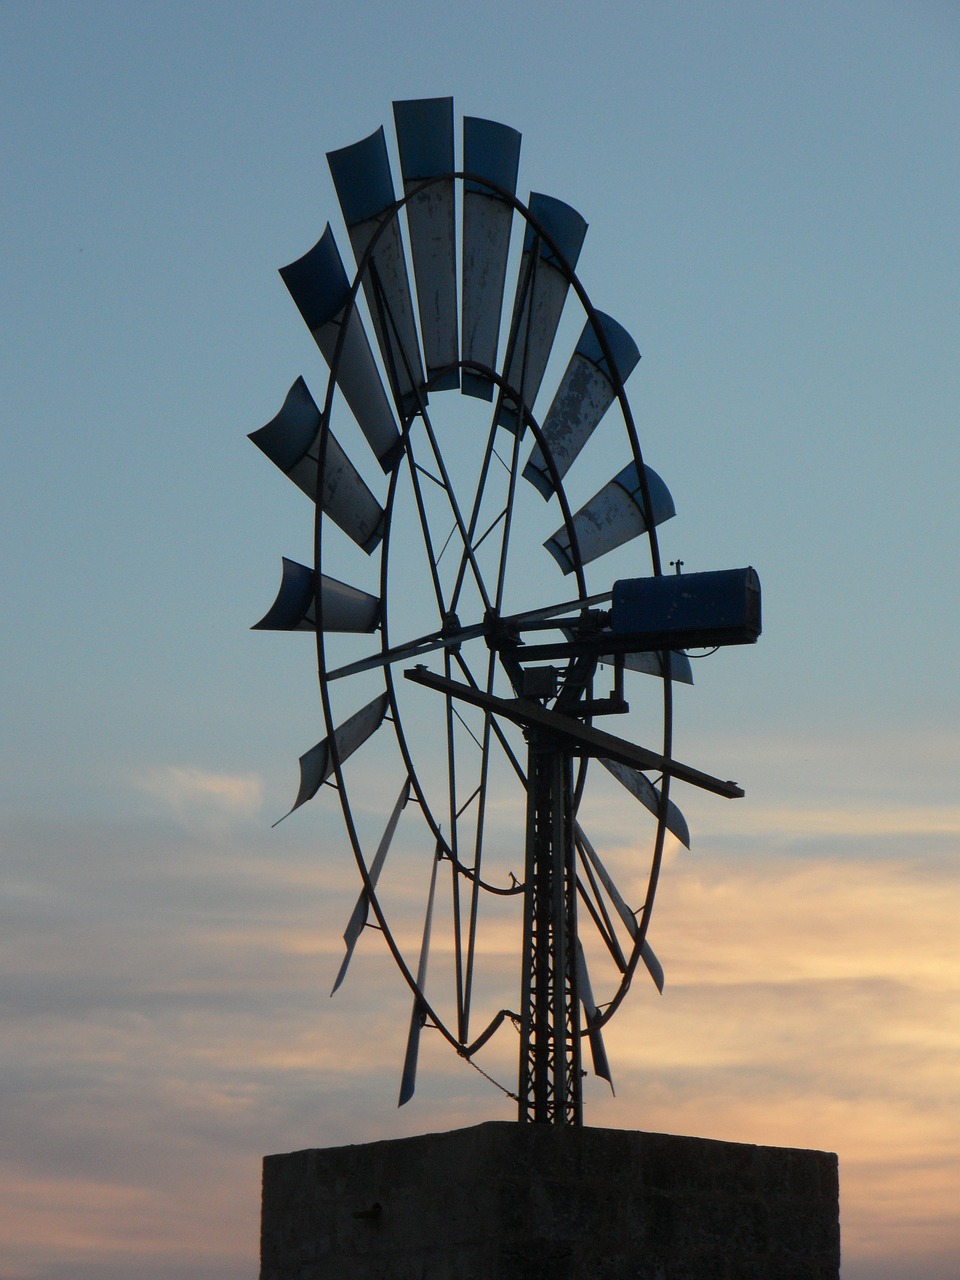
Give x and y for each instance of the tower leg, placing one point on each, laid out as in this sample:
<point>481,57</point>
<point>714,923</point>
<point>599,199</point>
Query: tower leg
<point>550,1085</point>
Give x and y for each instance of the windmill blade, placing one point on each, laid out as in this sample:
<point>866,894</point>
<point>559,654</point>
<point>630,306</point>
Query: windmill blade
<point>492,151</point>
<point>651,664</point>
<point>586,392</point>
<point>613,516</point>
<point>601,1066</point>
<point>541,292</point>
<point>425,140</point>
<point>292,441</point>
<point>643,789</point>
<point>358,918</point>
<point>344,608</point>
<point>316,765</point>
<point>318,285</point>
<point>653,965</point>
<point>361,175</point>
<point>409,1079</point>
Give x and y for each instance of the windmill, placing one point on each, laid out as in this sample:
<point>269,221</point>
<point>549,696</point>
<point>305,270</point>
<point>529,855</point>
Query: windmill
<point>464,657</point>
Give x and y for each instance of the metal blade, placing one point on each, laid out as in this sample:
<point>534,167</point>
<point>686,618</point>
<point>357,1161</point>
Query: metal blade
<point>425,140</point>
<point>318,285</point>
<point>653,966</point>
<point>586,392</point>
<point>651,664</point>
<point>541,292</point>
<point>623,911</point>
<point>358,918</point>
<point>601,1066</point>
<point>292,441</point>
<point>344,608</point>
<point>361,175</point>
<point>643,790</point>
<point>409,1078</point>
<point>492,151</point>
<point>611,517</point>
<point>316,765</point>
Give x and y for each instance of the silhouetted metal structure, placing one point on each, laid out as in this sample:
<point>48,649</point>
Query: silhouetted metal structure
<point>449,525</point>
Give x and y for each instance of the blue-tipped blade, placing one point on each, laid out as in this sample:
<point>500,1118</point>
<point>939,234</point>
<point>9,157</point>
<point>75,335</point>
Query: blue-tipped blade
<point>292,441</point>
<point>425,140</point>
<point>318,285</point>
<point>612,517</point>
<point>361,175</point>
<point>344,608</point>
<point>541,292</point>
<point>586,392</point>
<point>491,151</point>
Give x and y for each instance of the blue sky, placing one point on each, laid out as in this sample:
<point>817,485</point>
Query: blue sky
<point>772,197</point>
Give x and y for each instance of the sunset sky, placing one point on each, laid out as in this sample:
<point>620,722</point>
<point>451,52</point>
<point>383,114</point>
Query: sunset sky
<point>774,208</point>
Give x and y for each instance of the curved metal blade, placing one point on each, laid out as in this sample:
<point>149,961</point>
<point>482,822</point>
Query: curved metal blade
<point>409,1079</point>
<point>651,664</point>
<point>318,285</point>
<point>541,292</point>
<point>358,918</point>
<point>490,150</point>
<point>361,175</point>
<point>601,1066</point>
<point>425,139</point>
<point>344,608</point>
<point>643,790</point>
<point>611,517</point>
<point>292,441</point>
<point>586,392</point>
<point>316,765</point>
<point>653,965</point>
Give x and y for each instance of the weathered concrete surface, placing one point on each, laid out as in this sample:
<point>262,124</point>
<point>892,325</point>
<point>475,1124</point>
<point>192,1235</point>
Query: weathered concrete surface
<point>504,1201</point>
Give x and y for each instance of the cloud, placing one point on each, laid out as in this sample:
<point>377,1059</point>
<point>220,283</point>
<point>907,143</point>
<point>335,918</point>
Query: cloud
<point>185,790</point>
<point>168,1021</point>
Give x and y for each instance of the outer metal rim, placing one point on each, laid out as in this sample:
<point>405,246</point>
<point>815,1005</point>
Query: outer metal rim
<point>430,1014</point>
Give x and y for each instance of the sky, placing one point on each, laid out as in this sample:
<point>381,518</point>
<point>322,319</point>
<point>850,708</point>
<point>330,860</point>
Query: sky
<point>773,203</point>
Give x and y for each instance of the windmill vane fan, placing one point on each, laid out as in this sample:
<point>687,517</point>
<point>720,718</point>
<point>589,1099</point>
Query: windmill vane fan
<point>468,671</point>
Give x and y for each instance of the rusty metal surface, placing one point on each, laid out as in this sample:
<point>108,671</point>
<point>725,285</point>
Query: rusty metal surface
<point>612,517</point>
<point>587,390</point>
<point>425,141</point>
<point>542,289</point>
<point>490,150</point>
<point>361,175</point>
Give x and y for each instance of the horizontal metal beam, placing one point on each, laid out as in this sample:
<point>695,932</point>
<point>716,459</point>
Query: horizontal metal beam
<point>582,738</point>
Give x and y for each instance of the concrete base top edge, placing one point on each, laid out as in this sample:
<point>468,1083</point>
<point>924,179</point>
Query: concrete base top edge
<point>505,1201</point>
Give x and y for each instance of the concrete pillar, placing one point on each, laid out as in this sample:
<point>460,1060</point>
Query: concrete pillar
<point>504,1201</point>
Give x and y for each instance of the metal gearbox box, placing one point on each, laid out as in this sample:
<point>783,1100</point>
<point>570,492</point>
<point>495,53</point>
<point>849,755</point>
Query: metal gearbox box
<point>688,611</point>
